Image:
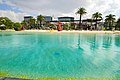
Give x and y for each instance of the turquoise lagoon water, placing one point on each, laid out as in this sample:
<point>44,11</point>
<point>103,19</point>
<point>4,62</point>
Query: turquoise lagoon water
<point>59,55</point>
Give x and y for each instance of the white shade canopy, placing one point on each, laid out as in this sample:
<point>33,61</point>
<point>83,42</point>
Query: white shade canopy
<point>2,25</point>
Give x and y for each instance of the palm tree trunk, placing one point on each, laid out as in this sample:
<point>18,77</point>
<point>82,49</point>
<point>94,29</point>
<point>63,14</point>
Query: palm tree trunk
<point>91,25</point>
<point>40,23</point>
<point>80,23</point>
<point>111,25</point>
<point>96,24</point>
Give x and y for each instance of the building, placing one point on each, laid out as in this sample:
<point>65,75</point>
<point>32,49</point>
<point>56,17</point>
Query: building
<point>91,23</point>
<point>47,18</point>
<point>26,18</point>
<point>66,19</point>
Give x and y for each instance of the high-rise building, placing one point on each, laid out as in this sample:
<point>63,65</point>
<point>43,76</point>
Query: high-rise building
<point>47,18</point>
<point>26,18</point>
<point>66,19</point>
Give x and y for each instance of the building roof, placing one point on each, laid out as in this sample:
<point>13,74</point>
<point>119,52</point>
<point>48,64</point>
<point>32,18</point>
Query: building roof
<point>28,16</point>
<point>48,16</point>
<point>65,17</point>
<point>91,20</point>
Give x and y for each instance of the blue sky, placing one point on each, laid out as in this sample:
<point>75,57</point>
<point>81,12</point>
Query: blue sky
<point>17,9</point>
<point>6,7</point>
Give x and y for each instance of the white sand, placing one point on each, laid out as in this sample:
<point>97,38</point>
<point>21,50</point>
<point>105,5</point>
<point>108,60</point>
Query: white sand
<point>75,31</point>
<point>71,31</point>
<point>9,30</point>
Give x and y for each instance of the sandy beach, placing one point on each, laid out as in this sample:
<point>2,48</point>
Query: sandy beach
<point>74,31</point>
<point>66,31</point>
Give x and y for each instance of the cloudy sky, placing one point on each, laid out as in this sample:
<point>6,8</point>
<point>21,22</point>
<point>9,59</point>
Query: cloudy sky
<point>16,9</point>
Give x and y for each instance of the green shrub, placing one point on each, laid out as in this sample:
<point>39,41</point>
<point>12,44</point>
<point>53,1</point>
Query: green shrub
<point>17,26</point>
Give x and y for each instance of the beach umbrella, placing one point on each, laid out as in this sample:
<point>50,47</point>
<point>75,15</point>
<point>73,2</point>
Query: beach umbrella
<point>59,22</point>
<point>59,28</point>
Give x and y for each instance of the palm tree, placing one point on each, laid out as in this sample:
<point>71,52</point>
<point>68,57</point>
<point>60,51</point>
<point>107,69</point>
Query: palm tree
<point>3,21</point>
<point>118,24</point>
<point>7,22</point>
<point>40,18</point>
<point>81,11</point>
<point>97,16</point>
<point>110,19</point>
<point>24,24</point>
<point>31,22</point>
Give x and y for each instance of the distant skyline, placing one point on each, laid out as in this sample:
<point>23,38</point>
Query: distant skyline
<point>17,9</point>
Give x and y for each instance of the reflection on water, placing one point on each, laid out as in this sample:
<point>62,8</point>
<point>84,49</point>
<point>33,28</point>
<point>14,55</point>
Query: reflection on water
<point>107,41</point>
<point>79,46</point>
<point>60,55</point>
<point>117,40</point>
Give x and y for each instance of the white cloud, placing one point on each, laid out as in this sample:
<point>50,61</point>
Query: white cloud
<point>67,7</point>
<point>1,1</point>
<point>16,17</point>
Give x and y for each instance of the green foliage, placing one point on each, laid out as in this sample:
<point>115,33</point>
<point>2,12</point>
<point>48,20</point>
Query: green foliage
<point>17,26</point>
<point>103,28</point>
<point>96,16</point>
<point>68,26</point>
<point>40,19</point>
<point>24,24</point>
<point>47,24</point>
<point>53,26</point>
<point>31,23</point>
<point>105,25</point>
<point>118,24</point>
<point>72,27</point>
<point>65,26</point>
<point>110,21</point>
<point>7,22</point>
<point>81,11</point>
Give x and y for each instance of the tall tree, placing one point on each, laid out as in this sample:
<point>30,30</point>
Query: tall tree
<point>118,24</point>
<point>24,24</point>
<point>97,16</point>
<point>110,19</point>
<point>7,22</point>
<point>40,19</point>
<point>31,22</point>
<point>17,26</point>
<point>81,11</point>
